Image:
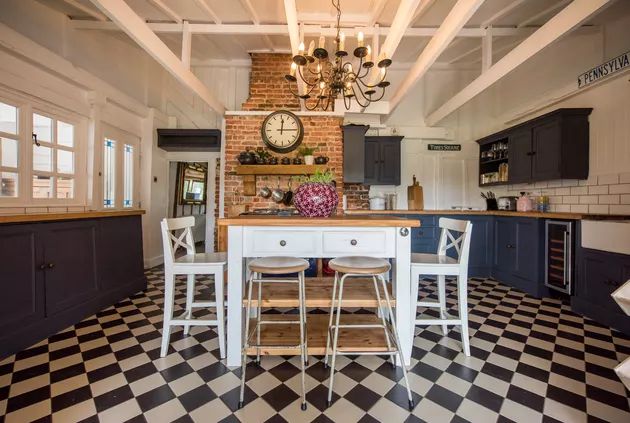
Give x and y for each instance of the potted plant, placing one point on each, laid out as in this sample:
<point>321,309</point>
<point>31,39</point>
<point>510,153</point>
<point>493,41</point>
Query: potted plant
<point>316,196</point>
<point>307,153</point>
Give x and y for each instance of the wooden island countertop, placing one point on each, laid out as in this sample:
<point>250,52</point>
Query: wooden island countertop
<point>337,221</point>
<point>49,217</point>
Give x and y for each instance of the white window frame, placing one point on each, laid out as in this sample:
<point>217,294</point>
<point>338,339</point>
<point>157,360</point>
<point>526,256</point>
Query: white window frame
<point>28,105</point>
<point>122,138</point>
<point>20,157</point>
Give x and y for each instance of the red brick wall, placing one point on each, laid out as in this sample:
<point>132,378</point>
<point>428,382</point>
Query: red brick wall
<point>268,91</point>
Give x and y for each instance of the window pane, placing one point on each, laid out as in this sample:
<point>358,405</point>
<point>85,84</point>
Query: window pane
<point>9,153</point>
<point>65,134</point>
<point>65,188</point>
<point>8,184</point>
<point>65,161</point>
<point>42,127</point>
<point>109,173</point>
<point>128,176</point>
<point>8,118</point>
<point>42,186</point>
<point>42,158</point>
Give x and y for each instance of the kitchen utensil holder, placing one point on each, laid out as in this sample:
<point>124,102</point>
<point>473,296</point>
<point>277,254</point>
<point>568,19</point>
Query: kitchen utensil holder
<point>491,204</point>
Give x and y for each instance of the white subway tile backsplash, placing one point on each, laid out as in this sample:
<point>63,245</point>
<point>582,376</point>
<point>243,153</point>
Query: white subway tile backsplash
<point>76,208</point>
<point>598,189</point>
<point>37,210</point>
<point>12,210</point>
<point>592,180</point>
<point>555,199</point>
<point>608,179</point>
<point>563,191</point>
<point>571,199</point>
<point>620,209</point>
<point>598,209</point>
<point>570,182</point>
<point>624,178</point>
<point>608,199</point>
<point>620,189</point>
<point>554,184</point>
<point>624,199</point>
<point>579,190</point>
<point>579,208</point>
<point>543,184</point>
<point>57,209</point>
<point>589,199</point>
<point>563,208</point>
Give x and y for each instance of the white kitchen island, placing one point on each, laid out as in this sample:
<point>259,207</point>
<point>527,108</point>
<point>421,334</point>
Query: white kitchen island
<point>259,236</point>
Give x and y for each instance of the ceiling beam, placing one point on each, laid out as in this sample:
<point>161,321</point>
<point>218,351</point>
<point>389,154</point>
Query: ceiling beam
<point>120,13</point>
<point>203,5</point>
<point>167,10</point>
<point>452,24</point>
<point>502,13</point>
<point>486,50</point>
<point>464,54</point>
<point>290,10</point>
<point>186,45</point>
<point>422,9</point>
<point>247,4</point>
<point>377,8</point>
<point>542,14</point>
<point>562,23</point>
<point>309,30</point>
<point>87,10</point>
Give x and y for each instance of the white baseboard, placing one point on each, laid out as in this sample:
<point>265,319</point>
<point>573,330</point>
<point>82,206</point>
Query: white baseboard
<point>153,261</point>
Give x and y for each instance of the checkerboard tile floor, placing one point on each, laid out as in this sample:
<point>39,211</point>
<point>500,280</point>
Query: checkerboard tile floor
<point>532,361</point>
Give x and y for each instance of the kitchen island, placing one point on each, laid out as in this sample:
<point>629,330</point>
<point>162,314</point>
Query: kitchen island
<point>260,236</point>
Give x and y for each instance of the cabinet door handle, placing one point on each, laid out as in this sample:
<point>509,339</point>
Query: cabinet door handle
<point>42,266</point>
<point>353,242</point>
<point>283,243</point>
<point>51,265</point>
<point>509,246</point>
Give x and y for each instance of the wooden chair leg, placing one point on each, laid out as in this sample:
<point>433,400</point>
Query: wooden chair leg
<point>169,288</point>
<point>441,279</point>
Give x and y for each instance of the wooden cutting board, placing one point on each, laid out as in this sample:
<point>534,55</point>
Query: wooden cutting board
<point>415,197</point>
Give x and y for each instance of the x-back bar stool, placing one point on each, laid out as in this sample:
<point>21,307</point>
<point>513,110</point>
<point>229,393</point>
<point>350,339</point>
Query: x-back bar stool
<point>252,339</point>
<point>353,267</point>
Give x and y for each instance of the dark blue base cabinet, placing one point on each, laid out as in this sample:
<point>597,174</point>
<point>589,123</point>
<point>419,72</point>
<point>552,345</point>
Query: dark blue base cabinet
<point>510,249</point>
<point>54,274</point>
<point>599,273</point>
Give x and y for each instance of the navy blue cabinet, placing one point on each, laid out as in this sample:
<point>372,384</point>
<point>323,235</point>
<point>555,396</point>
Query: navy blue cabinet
<point>53,274</point>
<point>599,273</point>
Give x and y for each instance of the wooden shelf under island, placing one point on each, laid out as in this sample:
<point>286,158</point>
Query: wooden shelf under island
<point>249,173</point>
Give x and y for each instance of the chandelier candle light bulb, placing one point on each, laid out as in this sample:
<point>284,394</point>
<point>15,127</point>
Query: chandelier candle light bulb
<point>301,49</point>
<point>311,48</point>
<point>342,41</point>
<point>360,42</point>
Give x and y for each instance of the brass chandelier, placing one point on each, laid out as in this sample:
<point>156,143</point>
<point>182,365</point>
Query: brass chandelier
<point>325,77</point>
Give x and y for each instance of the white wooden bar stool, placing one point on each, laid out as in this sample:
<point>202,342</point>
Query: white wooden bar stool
<point>353,267</point>
<point>455,234</point>
<point>190,264</point>
<point>274,266</point>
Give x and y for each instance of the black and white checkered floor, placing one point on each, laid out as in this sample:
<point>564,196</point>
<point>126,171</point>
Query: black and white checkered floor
<point>533,360</point>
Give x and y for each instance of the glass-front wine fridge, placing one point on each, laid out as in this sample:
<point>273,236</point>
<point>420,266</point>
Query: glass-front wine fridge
<point>559,259</point>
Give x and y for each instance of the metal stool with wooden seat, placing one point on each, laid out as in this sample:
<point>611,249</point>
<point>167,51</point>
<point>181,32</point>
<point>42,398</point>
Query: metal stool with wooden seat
<point>455,235</point>
<point>190,264</point>
<point>353,267</point>
<point>274,266</point>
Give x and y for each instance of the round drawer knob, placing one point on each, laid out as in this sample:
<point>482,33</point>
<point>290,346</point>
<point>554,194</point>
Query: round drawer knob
<point>283,243</point>
<point>353,242</point>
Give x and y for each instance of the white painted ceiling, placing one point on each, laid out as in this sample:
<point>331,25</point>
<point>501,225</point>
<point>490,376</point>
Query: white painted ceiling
<point>321,12</point>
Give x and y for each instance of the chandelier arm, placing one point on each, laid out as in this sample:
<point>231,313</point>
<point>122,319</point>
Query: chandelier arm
<point>305,79</point>
<point>356,97</point>
<point>347,102</point>
<point>382,95</point>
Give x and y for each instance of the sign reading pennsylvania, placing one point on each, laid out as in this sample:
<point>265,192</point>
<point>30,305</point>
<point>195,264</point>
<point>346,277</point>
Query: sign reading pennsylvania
<point>445,147</point>
<point>604,70</point>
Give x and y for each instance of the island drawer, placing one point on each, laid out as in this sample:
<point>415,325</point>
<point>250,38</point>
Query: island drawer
<point>292,242</point>
<point>377,242</point>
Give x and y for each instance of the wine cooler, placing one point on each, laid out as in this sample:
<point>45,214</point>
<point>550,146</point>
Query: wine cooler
<point>559,246</point>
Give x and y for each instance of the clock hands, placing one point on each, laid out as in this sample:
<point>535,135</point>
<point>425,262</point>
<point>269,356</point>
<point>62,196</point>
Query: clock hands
<point>281,124</point>
<point>286,130</point>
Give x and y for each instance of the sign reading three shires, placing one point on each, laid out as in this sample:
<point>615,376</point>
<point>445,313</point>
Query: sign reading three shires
<point>604,70</point>
<point>445,147</point>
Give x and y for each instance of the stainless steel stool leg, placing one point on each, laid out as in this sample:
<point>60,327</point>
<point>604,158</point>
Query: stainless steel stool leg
<point>397,340</point>
<point>335,340</point>
<point>330,319</point>
<point>250,283</point>
<point>383,319</point>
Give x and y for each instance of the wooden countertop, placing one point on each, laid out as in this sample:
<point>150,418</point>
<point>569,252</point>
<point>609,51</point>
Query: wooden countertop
<point>548,215</point>
<point>363,221</point>
<point>48,217</point>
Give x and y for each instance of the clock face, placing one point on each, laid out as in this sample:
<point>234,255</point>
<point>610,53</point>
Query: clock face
<point>282,131</point>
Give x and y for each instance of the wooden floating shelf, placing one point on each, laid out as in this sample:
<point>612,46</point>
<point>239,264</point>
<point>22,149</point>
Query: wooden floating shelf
<point>249,173</point>
<point>357,292</point>
<point>278,169</point>
<point>350,340</point>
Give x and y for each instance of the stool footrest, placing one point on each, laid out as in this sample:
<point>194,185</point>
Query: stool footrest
<point>431,322</point>
<point>193,322</point>
<point>428,304</point>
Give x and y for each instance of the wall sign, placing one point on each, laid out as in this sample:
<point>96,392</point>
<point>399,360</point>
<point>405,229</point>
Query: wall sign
<point>445,147</point>
<point>604,70</point>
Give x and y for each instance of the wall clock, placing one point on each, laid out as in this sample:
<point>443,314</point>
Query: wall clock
<point>282,131</point>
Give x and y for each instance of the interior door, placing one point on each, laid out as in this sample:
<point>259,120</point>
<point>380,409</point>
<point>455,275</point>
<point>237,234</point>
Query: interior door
<point>546,145</point>
<point>519,156</point>
<point>70,260</point>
